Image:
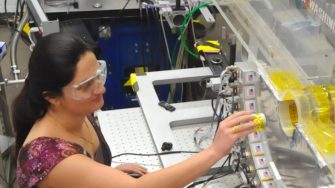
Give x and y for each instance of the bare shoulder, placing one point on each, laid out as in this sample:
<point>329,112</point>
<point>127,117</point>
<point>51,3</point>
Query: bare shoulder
<point>41,128</point>
<point>81,171</point>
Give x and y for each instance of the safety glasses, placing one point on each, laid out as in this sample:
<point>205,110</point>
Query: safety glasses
<point>85,89</point>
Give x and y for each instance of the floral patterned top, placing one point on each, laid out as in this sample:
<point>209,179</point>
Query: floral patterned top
<point>40,156</point>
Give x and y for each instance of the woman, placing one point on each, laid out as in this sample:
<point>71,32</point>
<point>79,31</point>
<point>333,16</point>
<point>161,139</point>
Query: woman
<point>58,144</point>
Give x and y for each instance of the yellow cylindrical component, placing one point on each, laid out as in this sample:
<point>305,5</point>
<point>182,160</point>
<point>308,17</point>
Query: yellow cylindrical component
<point>312,107</point>
<point>284,80</point>
<point>261,121</point>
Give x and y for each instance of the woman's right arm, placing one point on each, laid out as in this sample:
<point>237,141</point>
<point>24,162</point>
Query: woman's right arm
<point>80,171</point>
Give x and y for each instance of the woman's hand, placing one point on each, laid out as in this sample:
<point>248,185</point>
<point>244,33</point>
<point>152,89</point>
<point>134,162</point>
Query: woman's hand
<point>231,129</point>
<point>131,168</point>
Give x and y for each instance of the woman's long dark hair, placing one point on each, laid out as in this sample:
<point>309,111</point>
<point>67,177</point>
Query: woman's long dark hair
<point>52,66</point>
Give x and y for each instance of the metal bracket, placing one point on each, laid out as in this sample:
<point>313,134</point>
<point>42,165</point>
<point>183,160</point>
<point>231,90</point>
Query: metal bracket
<point>207,15</point>
<point>41,19</point>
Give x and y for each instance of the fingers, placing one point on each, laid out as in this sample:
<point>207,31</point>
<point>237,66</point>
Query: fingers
<point>244,133</point>
<point>132,168</point>
<point>243,127</point>
<point>138,169</point>
<point>142,169</point>
<point>237,114</point>
<point>242,118</point>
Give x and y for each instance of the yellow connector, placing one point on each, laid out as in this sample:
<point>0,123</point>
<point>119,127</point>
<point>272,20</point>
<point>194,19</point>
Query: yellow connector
<point>132,82</point>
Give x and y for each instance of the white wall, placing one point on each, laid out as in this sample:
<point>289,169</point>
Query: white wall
<point>11,5</point>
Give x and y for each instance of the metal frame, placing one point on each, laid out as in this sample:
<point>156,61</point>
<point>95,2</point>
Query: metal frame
<point>41,19</point>
<point>5,145</point>
<point>160,121</point>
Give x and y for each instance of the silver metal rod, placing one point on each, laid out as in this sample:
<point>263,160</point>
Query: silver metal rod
<point>9,82</point>
<point>13,48</point>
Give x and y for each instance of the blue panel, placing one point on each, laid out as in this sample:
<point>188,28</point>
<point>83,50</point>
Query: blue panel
<point>132,44</point>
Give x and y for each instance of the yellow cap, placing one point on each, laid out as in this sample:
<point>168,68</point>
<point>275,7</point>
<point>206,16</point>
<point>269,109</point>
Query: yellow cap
<point>261,121</point>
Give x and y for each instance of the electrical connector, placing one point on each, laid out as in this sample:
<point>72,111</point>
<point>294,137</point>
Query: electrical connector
<point>214,84</point>
<point>236,90</point>
<point>236,106</point>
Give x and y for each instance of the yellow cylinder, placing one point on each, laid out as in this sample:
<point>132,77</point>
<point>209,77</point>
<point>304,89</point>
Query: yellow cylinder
<point>284,80</point>
<point>261,121</point>
<point>312,107</point>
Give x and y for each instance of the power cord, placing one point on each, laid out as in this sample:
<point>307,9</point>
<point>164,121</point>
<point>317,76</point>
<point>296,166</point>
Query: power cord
<point>154,154</point>
<point>200,182</point>
<point>213,177</point>
<point>6,13</point>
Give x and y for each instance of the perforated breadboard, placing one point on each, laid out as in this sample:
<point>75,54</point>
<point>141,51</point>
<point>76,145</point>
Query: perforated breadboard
<point>126,132</point>
<point>185,134</point>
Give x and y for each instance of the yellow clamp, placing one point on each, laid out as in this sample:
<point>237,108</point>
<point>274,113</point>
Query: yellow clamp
<point>26,28</point>
<point>214,48</point>
<point>132,82</point>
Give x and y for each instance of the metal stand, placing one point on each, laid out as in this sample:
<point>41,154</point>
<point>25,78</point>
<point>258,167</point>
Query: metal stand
<point>6,142</point>
<point>5,145</point>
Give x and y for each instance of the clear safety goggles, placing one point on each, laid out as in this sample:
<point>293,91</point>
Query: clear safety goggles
<point>85,89</point>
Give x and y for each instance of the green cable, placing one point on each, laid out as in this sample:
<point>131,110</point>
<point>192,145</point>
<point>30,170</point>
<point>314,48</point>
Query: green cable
<point>182,28</point>
<point>183,42</point>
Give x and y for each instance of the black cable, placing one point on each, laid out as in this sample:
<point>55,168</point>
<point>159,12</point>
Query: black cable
<point>238,163</point>
<point>229,160</point>
<point>219,118</point>
<point>213,176</point>
<point>16,13</point>
<point>177,5</point>
<point>232,104</point>
<point>214,110</point>
<point>5,6</point>
<point>203,181</point>
<point>119,15</point>
<point>154,154</point>
<point>21,9</point>
<point>124,7</point>
<point>6,13</point>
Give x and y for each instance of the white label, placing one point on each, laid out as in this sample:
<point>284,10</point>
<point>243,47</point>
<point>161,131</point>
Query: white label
<point>268,184</point>
<point>257,149</point>
<point>250,77</point>
<point>249,92</point>
<point>260,162</point>
<point>264,175</point>
<point>250,105</point>
<point>254,137</point>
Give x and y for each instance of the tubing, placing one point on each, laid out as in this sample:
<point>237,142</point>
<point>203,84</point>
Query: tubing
<point>13,48</point>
